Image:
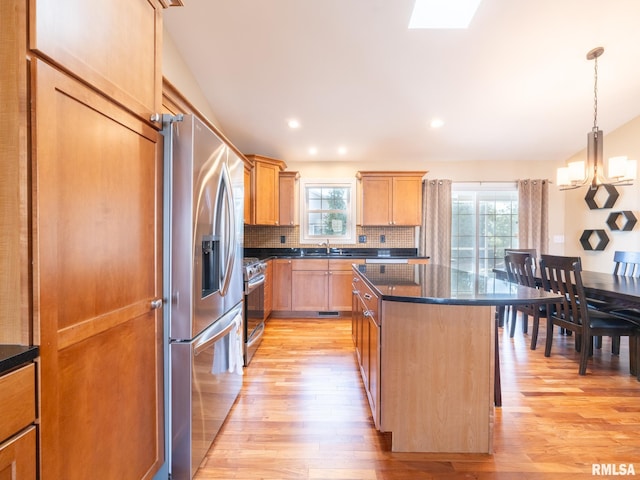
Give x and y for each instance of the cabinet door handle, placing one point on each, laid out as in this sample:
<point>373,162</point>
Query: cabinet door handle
<point>355,279</point>
<point>156,303</point>
<point>367,296</point>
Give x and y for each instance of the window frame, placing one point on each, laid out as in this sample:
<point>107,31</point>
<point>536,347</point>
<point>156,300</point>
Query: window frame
<point>484,264</point>
<point>350,236</point>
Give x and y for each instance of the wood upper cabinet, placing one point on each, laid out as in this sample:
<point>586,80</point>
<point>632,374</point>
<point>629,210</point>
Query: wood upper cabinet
<point>265,190</point>
<point>247,192</point>
<point>288,209</point>
<point>112,45</point>
<point>97,260</point>
<point>391,198</point>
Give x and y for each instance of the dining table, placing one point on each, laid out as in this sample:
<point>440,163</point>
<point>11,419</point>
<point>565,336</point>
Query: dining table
<point>606,287</point>
<point>612,291</point>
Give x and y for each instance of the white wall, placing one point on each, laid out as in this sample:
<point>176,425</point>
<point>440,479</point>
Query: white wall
<point>568,213</point>
<point>622,141</point>
<point>178,74</point>
<point>460,172</point>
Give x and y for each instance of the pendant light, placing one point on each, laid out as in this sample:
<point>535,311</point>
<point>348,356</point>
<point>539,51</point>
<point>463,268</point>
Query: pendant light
<point>576,174</point>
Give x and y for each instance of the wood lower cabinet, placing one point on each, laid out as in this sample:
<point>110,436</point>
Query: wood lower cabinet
<point>97,258</point>
<point>18,439</point>
<point>429,396</point>
<point>391,198</point>
<point>340,277</point>
<point>366,335</point>
<point>268,289</point>
<point>281,294</point>
<point>309,285</point>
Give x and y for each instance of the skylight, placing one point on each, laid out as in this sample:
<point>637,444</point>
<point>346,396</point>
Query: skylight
<point>443,13</point>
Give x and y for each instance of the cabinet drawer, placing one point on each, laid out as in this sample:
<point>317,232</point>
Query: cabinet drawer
<point>311,264</point>
<point>18,456</point>
<point>340,264</point>
<point>17,400</point>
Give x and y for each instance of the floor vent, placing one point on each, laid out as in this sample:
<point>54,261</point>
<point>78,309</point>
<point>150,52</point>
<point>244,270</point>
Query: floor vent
<point>329,314</point>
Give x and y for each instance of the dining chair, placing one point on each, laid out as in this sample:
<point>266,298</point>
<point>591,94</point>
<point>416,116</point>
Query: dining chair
<point>520,269</point>
<point>514,311</point>
<point>626,264</point>
<point>562,275</point>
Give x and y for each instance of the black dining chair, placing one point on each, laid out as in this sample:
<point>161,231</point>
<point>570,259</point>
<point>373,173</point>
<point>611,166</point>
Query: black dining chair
<point>626,264</point>
<point>562,275</point>
<point>513,311</point>
<point>520,269</point>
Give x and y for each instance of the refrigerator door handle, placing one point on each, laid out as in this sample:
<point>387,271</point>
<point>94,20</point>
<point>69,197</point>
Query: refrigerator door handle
<point>229,235</point>
<point>207,340</point>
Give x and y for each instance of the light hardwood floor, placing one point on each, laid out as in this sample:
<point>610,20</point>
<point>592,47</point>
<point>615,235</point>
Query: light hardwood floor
<point>303,414</point>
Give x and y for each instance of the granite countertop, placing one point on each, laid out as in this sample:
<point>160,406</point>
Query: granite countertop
<point>12,356</point>
<point>443,285</point>
<point>314,252</point>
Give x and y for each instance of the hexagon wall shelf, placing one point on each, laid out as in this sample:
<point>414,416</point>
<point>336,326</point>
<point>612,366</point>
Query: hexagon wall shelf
<point>629,220</point>
<point>609,202</point>
<point>585,239</point>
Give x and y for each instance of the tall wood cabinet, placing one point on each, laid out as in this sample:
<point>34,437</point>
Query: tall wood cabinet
<point>85,226</point>
<point>15,326</point>
<point>391,198</point>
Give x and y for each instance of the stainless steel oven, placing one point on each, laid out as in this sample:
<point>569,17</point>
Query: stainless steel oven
<point>254,278</point>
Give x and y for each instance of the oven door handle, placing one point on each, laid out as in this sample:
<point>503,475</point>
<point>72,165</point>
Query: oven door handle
<point>256,336</point>
<point>212,336</point>
<point>255,282</point>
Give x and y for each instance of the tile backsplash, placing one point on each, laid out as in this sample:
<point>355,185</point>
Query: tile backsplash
<point>271,237</point>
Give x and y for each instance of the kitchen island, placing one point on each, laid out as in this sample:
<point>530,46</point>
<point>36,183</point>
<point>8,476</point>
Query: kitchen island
<point>425,342</point>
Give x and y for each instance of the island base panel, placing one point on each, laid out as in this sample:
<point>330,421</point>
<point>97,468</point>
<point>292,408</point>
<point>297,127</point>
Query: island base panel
<point>437,365</point>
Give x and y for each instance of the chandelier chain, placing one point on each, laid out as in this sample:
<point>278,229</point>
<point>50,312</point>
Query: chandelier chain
<point>595,95</point>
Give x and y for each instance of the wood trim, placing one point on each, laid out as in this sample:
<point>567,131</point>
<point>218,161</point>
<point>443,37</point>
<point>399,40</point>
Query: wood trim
<point>395,173</point>
<point>272,161</point>
<point>171,94</point>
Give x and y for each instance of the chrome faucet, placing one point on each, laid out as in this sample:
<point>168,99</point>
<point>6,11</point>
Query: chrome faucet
<point>326,244</point>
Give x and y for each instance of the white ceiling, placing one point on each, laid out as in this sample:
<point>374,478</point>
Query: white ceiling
<point>515,86</point>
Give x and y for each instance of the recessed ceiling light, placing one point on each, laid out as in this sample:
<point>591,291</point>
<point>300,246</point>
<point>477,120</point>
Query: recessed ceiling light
<point>293,123</point>
<point>443,13</point>
<point>436,123</point>
<point>342,150</point>
<point>313,150</point>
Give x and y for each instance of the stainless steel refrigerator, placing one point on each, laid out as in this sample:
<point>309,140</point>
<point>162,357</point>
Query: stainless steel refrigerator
<point>204,201</point>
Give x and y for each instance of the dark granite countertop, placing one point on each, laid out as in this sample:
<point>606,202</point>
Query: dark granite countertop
<point>12,356</point>
<point>381,253</point>
<point>447,286</point>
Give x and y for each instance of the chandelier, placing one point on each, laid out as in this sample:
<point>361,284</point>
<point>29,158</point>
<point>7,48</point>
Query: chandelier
<point>622,171</point>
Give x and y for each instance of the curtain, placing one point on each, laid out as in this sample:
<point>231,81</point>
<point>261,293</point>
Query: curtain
<point>435,231</point>
<point>533,205</point>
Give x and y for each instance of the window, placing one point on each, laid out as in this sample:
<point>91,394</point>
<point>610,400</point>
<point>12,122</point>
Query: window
<point>484,223</point>
<point>327,211</point>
